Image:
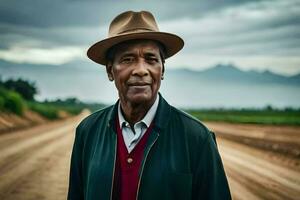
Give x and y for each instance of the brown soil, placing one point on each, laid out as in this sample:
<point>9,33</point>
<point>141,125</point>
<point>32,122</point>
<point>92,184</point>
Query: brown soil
<point>34,163</point>
<point>261,161</point>
<point>256,174</point>
<point>11,122</point>
<point>281,139</point>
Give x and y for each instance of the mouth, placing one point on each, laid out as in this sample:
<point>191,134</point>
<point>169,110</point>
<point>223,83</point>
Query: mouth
<point>138,84</point>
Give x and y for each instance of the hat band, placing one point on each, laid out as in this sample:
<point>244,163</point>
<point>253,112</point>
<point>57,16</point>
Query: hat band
<point>135,30</point>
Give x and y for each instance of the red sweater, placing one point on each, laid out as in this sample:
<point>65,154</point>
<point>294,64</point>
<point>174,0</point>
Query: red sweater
<point>128,166</point>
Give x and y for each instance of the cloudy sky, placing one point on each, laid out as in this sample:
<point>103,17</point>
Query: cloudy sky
<point>252,34</point>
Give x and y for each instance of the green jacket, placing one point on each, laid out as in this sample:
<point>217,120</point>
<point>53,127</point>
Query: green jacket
<point>181,160</point>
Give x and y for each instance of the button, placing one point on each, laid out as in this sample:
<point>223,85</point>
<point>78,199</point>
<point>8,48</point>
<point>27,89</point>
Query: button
<point>129,160</point>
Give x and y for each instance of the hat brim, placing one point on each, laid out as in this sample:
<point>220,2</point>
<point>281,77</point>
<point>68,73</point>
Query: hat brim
<point>171,42</point>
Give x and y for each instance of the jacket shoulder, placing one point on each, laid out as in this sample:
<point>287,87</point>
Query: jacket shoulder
<point>93,118</point>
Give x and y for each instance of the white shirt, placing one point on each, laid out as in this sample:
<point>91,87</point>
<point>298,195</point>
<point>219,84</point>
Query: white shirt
<point>133,136</point>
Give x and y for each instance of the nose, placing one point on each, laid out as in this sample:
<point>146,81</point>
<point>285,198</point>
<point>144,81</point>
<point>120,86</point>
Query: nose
<point>140,69</point>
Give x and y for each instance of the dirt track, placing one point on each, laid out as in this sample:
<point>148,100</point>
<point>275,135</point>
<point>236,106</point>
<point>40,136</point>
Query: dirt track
<point>34,164</point>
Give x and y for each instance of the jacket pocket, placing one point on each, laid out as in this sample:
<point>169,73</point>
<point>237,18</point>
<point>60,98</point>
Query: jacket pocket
<point>179,185</point>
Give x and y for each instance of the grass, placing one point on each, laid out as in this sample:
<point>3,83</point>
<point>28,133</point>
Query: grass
<point>11,101</point>
<point>48,111</point>
<point>272,117</point>
<point>51,110</point>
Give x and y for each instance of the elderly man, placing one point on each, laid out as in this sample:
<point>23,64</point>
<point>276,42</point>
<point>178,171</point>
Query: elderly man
<point>142,147</point>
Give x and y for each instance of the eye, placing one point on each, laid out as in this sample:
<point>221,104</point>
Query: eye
<point>152,59</point>
<point>127,59</point>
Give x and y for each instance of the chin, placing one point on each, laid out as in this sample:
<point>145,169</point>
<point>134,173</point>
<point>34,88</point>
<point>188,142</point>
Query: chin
<point>140,98</point>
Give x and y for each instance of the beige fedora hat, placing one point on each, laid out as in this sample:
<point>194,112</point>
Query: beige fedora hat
<point>132,25</point>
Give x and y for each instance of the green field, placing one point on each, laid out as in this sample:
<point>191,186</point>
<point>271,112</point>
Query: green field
<point>51,110</point>
<point>263,116</point>
<point>11,101</point>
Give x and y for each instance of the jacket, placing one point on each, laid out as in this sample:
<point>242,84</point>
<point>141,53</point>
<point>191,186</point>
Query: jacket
<point>181,159</point>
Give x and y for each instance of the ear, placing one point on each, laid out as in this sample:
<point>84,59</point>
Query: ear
<point>109,67</point>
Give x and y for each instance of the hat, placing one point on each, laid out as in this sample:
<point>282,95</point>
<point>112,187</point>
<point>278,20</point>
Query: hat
<point>134,25</point>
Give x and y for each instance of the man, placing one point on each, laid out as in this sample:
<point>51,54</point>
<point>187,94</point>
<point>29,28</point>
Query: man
<point>141,147</point>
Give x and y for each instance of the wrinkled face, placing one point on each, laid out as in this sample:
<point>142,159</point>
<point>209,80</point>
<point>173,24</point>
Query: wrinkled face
<point>137,70</point>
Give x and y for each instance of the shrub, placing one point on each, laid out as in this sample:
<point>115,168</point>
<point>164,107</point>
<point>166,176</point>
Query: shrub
<point>14,102</point>
<point>2,102</point>
<point>47,111</point>
<point>25,88</point>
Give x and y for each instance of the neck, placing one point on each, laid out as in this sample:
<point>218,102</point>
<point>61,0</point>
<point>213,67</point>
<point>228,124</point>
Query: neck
<point>135,112</point>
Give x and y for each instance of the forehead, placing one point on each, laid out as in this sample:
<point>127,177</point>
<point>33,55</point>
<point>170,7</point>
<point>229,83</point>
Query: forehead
<point>137,45</point>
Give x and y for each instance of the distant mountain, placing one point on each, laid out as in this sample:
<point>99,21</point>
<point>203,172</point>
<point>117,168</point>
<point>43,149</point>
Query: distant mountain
<point>219,86</point>
<point>295,77</point>
<point>230,73</point>
<point>219,73</point>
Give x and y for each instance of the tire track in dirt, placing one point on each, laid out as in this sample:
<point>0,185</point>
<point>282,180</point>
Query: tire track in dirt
<point>21,151</point>
<point>243,192</point>
<point>48,177</point>
<point>36,165</point>
<point>261,177</point>
<point>30,165</point>
<point>12,138</point>
<point>282,139</point>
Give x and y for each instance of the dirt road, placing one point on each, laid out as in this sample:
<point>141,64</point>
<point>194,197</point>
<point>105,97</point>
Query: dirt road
<point>256,174</point>
<point>34,165</point>
<point>261,161</point>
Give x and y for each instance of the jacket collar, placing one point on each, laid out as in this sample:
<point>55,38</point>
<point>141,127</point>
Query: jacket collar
<point>161,118</point>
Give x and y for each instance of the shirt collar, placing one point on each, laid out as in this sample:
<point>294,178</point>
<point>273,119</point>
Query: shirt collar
<point>148,117</point>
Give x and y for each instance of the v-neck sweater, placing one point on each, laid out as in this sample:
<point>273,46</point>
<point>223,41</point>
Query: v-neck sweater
<point>128,165</point>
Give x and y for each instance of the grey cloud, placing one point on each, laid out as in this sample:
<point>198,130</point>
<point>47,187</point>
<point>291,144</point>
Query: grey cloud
<point>276,34</point>
<point>49,13</point>
<point>287,34</point>
<point>80,23</point>
<point>12,35</point>
<point>68,22</point>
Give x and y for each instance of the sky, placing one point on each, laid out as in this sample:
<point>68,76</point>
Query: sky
<point>251,34</point>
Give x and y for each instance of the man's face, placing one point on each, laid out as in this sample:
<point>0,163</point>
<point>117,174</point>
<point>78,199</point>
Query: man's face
<point>137,70</point>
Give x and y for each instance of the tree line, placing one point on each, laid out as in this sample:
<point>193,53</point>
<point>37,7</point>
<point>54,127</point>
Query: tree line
<point>25,88</point>
<point>17,95</point>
